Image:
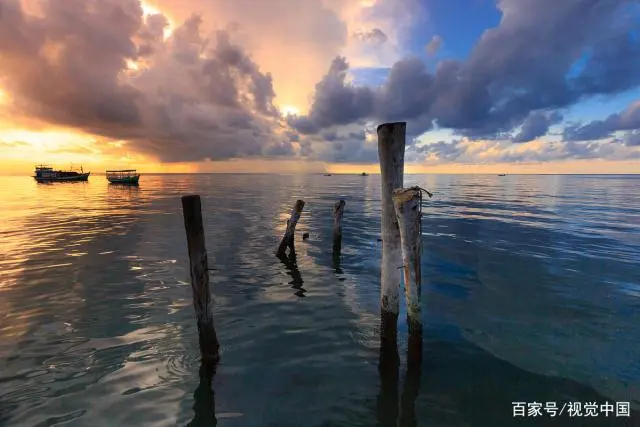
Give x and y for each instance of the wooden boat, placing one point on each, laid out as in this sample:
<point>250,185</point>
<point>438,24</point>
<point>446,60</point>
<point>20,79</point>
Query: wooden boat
<point>127,176</point>
<point>48,174</point>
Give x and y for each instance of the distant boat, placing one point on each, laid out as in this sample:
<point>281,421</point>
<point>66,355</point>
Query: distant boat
<point>502,174</point>
<point>127,176</point>
<point>364,174</point>
<point>48,174</point>
<point>327,174</point>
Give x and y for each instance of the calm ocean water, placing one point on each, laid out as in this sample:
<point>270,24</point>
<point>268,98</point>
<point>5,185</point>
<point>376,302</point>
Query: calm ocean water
<point>531,292</point>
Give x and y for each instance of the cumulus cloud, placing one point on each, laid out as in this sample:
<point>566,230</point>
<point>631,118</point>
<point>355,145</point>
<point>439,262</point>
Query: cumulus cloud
<point>522,66</point>
<point>632,139</point>
<point>536,125</point>
<point>344,146</point>
<point>434,45</point>
<point>194,97</point>
<point>207,89</point>
<point>627,120</point>
<point>336,101</point>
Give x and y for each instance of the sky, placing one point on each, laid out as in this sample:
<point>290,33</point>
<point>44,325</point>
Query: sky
<point>503,86</point>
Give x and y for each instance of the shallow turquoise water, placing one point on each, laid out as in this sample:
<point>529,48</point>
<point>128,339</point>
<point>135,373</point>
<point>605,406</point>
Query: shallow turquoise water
<point>531,291</point>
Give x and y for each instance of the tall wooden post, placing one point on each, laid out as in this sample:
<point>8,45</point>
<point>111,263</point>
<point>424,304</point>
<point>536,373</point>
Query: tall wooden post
<point>407,203</point>
<point>199,267</point>
<point>391,145</point>
<point>338,212</point>
<point>289,235</point>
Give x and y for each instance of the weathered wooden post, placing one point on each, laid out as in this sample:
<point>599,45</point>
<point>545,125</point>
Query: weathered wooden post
<point>391,145</point>
<point>338,212</point>
<point>199,267</point>
<point>289,235</point>
<point>407,203</point>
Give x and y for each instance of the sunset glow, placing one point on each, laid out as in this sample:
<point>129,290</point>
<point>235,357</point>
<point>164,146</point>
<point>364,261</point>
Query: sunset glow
<point>187,81</point>
<point>289,110</point>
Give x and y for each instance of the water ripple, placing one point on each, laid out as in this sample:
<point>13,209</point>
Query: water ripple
<point>524,277</point>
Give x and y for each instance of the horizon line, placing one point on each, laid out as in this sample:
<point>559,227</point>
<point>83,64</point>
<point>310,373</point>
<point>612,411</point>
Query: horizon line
<point>355,174</point>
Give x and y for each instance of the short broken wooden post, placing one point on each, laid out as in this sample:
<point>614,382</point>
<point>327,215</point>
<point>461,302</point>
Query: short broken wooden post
<point>289,235</point>
<point>391,145</point>
<point>407,203</point>
<point>199,267</point>
<point>338,212</point>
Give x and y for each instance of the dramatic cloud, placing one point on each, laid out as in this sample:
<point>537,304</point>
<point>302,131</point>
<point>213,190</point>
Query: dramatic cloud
<point>336,101</point>
<point>347,146</point>
<point>434,45</point>
<point>627,120</point>
<point>182,87</point>
<point>525,64</point>
<point>536,124</point>
<point>192,98</point>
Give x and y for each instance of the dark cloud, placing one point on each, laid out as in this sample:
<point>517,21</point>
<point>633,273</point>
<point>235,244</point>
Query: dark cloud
<point>193,98</point>
<point>336,102</point>
<point>536,125</point>
<point>279,149</point>
<point>632,139</point>
<point>434,45</point>
<point>344,147</point>
<point>528,63</point>
<point>200,97</point>
<point>375,36</point>
<point>628,139</point>
<point>627,120</point>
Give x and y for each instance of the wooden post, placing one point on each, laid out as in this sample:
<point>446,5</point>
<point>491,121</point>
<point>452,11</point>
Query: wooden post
<point>407,203</point>
<point>338,212</point>
<point>192,211</point>
<point>289,235</point>
<point>391,145</point>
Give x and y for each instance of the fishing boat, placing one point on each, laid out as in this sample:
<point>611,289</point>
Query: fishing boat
<point>45,173</point>
<point>127,176</point>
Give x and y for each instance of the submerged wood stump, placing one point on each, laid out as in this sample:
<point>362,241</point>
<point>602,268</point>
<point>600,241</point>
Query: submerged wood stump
<point>407,203</point>
<point>391,145</point>
<point>338,213</point>
<point>199,269</point>
<point>289,235</point>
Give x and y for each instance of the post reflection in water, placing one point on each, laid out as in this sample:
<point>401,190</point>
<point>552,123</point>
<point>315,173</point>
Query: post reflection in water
<point>411,380</point>
<point>291,264</point>
<point>389,364</point>
<point>336,262</point>
<point>204,406</point>
<point>392,409</point>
